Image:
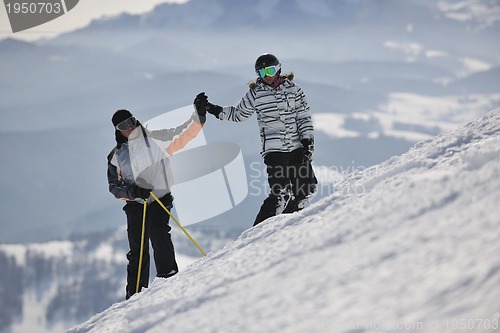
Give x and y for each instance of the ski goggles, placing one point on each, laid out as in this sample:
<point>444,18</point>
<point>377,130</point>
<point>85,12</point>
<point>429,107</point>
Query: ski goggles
<point>268,71</point>
<point>126,124</point>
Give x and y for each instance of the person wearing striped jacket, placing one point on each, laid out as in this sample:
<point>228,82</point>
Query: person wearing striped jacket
<point>286,132</point>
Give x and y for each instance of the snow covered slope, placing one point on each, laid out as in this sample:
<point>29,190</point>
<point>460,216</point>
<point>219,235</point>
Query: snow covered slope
<point>410,244</point>
<point>379,76</point>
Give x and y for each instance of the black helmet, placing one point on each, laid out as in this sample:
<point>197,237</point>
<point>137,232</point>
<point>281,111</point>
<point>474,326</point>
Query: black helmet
<point>120,115</point>
<point>265,60</point>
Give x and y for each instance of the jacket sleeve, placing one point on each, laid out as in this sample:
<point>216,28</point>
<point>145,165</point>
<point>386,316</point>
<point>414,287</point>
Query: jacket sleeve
<point>168,134</point>
<point>243,111</point>
<point>180,135</point>
<point>116,186</point>
<point>304,121</point>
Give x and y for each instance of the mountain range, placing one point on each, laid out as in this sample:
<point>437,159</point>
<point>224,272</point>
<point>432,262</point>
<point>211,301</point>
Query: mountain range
<point>360,70</point>
<point>50,286</point>
<point>379,76</point>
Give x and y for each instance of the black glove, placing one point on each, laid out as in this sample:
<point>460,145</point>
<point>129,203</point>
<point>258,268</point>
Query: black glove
<point>200,104</point>
<point>308,150</point>
<point>214,109</point>
<point>138,192</point>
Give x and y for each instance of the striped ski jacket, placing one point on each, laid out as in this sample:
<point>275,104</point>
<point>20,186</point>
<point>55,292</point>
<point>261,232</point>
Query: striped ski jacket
<point>283,114</point>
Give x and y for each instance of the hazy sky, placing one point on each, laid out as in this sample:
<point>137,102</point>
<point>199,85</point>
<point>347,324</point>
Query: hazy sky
<point>81,15</point>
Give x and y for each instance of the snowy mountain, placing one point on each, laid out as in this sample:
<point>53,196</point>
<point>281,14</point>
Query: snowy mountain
<point>48,287</point>
<point>476,12</point>
<point>379,77</point>
<point>375,85</point>
<point>409,244</point>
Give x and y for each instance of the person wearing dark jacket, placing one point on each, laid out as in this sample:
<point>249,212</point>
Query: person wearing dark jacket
<point>137,166</point>
<point>286,132</point>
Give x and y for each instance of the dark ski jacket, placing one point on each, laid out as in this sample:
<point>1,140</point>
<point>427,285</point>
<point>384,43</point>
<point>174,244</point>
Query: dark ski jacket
<point>145,157</point>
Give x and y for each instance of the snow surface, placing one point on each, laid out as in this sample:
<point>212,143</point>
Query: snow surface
<point>411,244</point>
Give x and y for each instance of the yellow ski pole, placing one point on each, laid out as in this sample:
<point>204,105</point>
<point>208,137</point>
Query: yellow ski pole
<point>177,222</point>
<point>142,248</point>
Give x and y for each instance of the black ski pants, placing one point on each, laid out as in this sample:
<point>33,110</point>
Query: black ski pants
<point>290,180</point>
<point>158,231</point>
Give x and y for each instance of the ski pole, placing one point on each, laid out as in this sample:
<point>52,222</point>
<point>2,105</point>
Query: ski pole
<point>178,223</point>
<point>142,248</point>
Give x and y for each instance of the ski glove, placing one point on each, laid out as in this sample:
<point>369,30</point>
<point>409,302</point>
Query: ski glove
<point>135,191</point>
<point>200,104</point>
<point>214,109</point>
<point>308,150</point>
